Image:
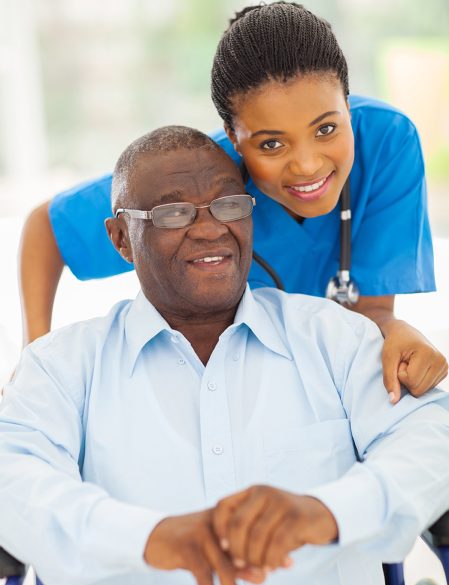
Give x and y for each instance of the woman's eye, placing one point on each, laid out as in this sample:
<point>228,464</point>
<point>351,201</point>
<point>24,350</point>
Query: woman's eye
<point>326,130</point>
<point>271,145</point>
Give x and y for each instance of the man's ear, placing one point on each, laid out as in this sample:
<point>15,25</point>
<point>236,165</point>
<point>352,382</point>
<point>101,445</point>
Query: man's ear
<point>230,132</point>
<point>118,234</point>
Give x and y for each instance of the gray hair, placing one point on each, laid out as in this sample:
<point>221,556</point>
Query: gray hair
<point>161,140</point>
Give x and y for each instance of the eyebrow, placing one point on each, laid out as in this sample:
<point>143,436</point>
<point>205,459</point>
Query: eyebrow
<point>227,180</point>
<point>176,195</point>
<point>281,132</point>
<point>168,197</point>
<point>322,116</point>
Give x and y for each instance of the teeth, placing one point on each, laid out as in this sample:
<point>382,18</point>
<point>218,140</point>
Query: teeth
<point>209,259</point>
<point>309,188</point>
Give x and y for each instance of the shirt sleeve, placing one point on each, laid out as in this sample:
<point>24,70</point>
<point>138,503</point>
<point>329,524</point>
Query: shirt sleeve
<point>71,531</point>
<point>77,219</point>
<point>399,486</point>
<point>392,245</point>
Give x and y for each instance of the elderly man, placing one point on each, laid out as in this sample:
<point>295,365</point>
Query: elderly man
<point>205,427</point>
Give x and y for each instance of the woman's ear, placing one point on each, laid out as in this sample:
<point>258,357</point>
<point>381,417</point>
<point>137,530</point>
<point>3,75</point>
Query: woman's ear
<point>230,132</point>
<point>118,234</point>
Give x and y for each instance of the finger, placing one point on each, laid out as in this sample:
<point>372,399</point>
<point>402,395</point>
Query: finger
<point>219,562</point>
<point>221,514</point>
<point>200,569</point>
<point>414,375</point>
<point>442,373</point>
<point>426,384</point>
<point>431,379</point>
<point>252,574</point>
<point>261,531</point>
<point>390,365</point>
<point>240,523</point>
<point>438,371</point>
<point>285,538</point>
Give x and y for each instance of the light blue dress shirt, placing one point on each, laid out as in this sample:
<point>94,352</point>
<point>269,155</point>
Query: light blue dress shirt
<point>113,423</point>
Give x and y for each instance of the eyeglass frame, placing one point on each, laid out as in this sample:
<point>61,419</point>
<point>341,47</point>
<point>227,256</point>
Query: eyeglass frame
<point>140,214</point>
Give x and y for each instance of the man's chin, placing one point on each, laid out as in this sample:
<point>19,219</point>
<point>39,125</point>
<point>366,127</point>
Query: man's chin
<point>212,294</point>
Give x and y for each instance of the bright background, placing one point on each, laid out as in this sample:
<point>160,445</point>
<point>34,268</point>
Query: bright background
<point>80,80</point>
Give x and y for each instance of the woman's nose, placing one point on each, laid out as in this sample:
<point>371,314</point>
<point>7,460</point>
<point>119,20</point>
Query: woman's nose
<point>305,163</point>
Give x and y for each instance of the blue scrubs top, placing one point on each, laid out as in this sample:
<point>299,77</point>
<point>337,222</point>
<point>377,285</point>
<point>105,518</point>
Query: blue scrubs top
<point>391,240</point>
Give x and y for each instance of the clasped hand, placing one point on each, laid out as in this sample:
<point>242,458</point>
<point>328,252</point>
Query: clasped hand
<point>245,536</point>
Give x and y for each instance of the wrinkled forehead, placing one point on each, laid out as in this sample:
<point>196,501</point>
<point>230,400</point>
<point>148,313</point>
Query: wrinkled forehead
<point>187,175</point>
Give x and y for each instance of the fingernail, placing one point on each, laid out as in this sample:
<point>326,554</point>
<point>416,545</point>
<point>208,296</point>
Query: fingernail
<point>267,569</point>
<point>288,562</point>
<point>224,543</point>
<point>392,397</point>
<point>239,563</point>
<point>257,572</point>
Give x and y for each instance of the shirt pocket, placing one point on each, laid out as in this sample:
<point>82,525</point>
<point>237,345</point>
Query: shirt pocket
<point>298,459</point>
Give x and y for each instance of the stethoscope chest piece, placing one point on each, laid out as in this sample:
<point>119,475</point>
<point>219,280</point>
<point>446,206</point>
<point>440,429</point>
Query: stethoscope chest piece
<point>343,289</point>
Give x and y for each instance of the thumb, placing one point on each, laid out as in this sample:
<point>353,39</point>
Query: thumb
<point>402,372</point>
<point>391,368</point>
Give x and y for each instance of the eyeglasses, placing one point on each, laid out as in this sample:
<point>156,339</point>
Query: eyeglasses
<point>179,215</point>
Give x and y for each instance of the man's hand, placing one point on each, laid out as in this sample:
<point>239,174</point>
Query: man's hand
<point>188,542</point>
<point>261,525</point>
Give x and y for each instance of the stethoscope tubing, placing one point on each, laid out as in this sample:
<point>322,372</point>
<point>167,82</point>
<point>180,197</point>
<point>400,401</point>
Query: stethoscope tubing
<point>345,243</point>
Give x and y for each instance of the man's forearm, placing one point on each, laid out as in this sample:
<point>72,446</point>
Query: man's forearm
<point>40,268</point>
<point>384,503</point>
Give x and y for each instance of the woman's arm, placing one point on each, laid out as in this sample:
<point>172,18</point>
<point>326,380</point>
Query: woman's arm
<point>40,268</point>
<point>408,358</point>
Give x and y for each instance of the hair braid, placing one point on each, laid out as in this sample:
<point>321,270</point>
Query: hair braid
<point>275,41</point>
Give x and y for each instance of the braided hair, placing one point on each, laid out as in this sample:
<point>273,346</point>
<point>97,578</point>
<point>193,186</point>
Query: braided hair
<point>277,42</point>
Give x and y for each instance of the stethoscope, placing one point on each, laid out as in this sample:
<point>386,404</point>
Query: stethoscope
<point>341,287</point>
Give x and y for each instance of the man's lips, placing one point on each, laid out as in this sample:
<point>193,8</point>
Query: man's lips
<point>211,260</point>
<point>312,189</point>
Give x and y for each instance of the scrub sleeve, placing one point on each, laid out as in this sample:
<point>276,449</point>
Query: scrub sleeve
<point>77,218</point>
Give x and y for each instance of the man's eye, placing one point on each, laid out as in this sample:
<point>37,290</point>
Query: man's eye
<point>229,204</point>
<point>271,145</point>
<point>326,130</point>
<point>174,212</point>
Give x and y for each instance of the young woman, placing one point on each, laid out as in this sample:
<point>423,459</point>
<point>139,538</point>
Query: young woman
<point>280,83</point>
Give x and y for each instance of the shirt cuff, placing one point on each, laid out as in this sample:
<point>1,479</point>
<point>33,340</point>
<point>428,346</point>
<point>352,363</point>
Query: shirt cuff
<point>120,531</point>
<point>357,502</point>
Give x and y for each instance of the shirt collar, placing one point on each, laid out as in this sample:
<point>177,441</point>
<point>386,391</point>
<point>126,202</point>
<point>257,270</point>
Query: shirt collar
<point>254,315</point>
<point>143,322</point>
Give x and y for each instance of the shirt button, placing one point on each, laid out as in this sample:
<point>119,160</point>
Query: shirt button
<point>211,386</point>
<point>181,361</point>
<point>236,357</point>
<point>217,449</point>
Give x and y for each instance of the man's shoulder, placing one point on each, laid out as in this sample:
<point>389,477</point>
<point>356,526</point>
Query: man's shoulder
<point>305,313</point>
<point>82,336</point>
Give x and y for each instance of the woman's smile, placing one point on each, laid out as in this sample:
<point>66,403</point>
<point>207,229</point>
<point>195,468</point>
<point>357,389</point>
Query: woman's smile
<point>312,190</point>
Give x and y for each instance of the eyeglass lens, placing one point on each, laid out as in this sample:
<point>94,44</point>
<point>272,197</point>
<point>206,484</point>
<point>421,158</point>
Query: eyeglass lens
<point>225,209</point>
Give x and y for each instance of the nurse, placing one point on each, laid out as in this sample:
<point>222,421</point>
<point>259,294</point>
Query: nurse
<point>280,84</point>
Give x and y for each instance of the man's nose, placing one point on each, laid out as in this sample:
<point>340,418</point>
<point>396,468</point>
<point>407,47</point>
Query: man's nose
<point>206,227</point>
<point>305,162</point>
